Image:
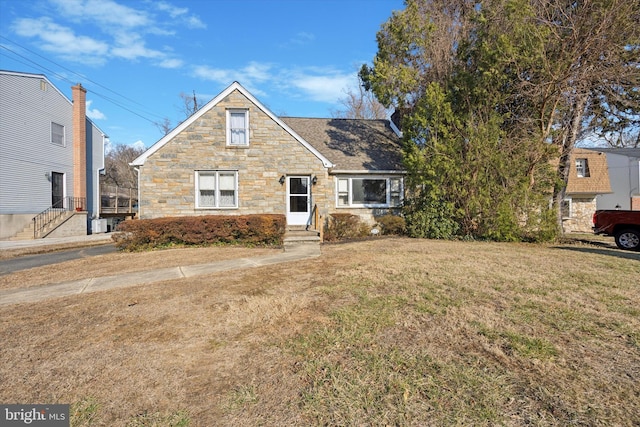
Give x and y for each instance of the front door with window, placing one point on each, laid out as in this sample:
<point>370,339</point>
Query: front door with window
<point>298,200</point>
<point>57,189</point>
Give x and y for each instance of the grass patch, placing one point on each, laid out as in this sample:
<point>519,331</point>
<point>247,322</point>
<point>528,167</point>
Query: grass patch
<point>380,332</point>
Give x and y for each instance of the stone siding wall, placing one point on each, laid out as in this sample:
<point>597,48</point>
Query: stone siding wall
<point>167,179</point>
<point>581,220</point>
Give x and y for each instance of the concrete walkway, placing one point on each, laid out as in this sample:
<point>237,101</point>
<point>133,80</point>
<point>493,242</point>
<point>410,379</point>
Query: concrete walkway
<point>294,252</point>
<point>56,241</point>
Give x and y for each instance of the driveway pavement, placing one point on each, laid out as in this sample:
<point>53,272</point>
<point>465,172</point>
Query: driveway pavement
<point>293,252</point>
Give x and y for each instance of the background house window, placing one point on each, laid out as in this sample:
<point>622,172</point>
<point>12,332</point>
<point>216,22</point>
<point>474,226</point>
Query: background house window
<point>238,127</point>
<point>216,189</point>
<point>582,168</point>
<point>369,192</point>
<point>57,134</point>
<point>566,208</point>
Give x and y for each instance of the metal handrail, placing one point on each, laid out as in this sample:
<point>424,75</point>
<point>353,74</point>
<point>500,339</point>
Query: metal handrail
<point>54,212</point>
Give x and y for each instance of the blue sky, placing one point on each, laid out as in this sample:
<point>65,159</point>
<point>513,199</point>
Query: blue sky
<point>135,57</point>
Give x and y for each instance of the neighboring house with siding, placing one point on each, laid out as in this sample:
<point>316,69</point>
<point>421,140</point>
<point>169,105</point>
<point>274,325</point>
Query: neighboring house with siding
<point>234,156</point>
<point>624,173</point>
<point>588,181</point>
<point>51,155</point>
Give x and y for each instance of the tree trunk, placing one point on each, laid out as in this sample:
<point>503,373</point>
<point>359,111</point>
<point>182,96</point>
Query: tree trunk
<point>566,144</point>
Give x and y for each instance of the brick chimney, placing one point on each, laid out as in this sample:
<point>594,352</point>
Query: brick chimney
<point>80,143</point>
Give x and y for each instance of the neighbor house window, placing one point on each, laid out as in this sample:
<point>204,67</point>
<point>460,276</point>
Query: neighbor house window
<point>369,192</point>
<point>566,208</point>
<point>216,189</point>
<point>582,168</point>
<point>238,127</point>
<point>57,134</point>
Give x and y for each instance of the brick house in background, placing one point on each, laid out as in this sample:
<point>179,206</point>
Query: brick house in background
<point>51,156</point>
<point>588,180</point>
<point>234,156</point>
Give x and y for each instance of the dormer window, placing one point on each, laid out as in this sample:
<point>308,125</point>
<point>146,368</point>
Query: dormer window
<point>582,168</point>
<point>238,127</point>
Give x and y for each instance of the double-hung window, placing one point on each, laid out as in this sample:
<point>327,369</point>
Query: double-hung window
<point>369,192</point>
<point>582,168</point>
<point>57,134</point>
<point>238,127</point>
<point>216,189</point>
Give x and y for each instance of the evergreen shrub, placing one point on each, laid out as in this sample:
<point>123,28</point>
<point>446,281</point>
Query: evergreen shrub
<point>200,230</point>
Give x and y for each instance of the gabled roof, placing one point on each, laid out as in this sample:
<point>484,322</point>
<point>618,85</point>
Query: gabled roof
<point>353,145</point>
<point>598,180</point>
<point>195,116</point>
<point>43,77</point>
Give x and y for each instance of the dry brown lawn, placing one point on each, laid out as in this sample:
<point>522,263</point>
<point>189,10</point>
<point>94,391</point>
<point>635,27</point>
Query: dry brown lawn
<point>380,332</point>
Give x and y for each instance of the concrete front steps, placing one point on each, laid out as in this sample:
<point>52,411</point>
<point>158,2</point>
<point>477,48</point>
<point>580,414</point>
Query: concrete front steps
<point>297,237</point>
<point>27,233</point>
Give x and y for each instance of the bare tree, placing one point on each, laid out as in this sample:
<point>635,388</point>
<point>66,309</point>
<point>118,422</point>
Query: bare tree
<point>117,169</point>
<point>190,103</point>
<point>164,126</point>
<point>360,104</point>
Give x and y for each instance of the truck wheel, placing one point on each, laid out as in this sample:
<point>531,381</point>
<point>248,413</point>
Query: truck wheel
<point>628,239</point>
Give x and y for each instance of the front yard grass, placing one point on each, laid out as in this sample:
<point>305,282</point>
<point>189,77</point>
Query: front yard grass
<point>381,332</point>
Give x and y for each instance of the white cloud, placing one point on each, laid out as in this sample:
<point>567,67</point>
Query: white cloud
<point>94,114</point>
<point>248,76</point>
<point>62,40</point>
<point>174,12</point>
<point>117,30</point>
<point>105,12</point>
<point>132,46</point>
<point>318,84</point>
<point>139,145</point>
<point>327,87</point>
<point>171,63</point>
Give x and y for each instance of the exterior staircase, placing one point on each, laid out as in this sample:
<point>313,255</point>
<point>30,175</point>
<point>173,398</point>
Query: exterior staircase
<point>28,232</point>
<point>297,237</point>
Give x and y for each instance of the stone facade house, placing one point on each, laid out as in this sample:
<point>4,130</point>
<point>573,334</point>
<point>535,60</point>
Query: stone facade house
<point>588,180</point>
<point>234,156</point>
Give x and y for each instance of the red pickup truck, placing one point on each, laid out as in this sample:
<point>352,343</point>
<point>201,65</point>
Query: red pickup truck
<point>623,225</point>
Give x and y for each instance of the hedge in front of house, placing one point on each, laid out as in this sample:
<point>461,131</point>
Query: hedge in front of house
<point>200,230</point>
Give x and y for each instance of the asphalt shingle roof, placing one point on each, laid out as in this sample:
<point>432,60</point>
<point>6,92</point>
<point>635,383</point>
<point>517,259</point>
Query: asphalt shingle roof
<point>352,144</point>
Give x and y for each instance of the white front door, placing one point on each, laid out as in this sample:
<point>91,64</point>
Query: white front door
<point>298,200</point>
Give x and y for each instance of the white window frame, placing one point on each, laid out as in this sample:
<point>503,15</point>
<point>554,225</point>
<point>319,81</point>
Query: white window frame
<point>217,198</point>
<point>568,202</point>
<point>230,112</point>
<point>62,142</point>
<point>582,168</point>
<point>344,186</point>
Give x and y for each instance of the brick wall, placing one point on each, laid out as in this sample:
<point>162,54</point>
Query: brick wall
<point>79,141</point>
<point>167,179</point>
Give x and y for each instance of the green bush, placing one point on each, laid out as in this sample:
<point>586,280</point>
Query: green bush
<point>392,225</point>
<point>200,230</point>
<point>430,218</point>
<point>344,226</point>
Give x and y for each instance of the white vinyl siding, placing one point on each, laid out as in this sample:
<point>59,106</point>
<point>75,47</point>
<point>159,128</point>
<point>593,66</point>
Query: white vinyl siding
<point>238,127</point>
<point>370,192</point>
<point>28,155</point>
<point>216,189</point>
